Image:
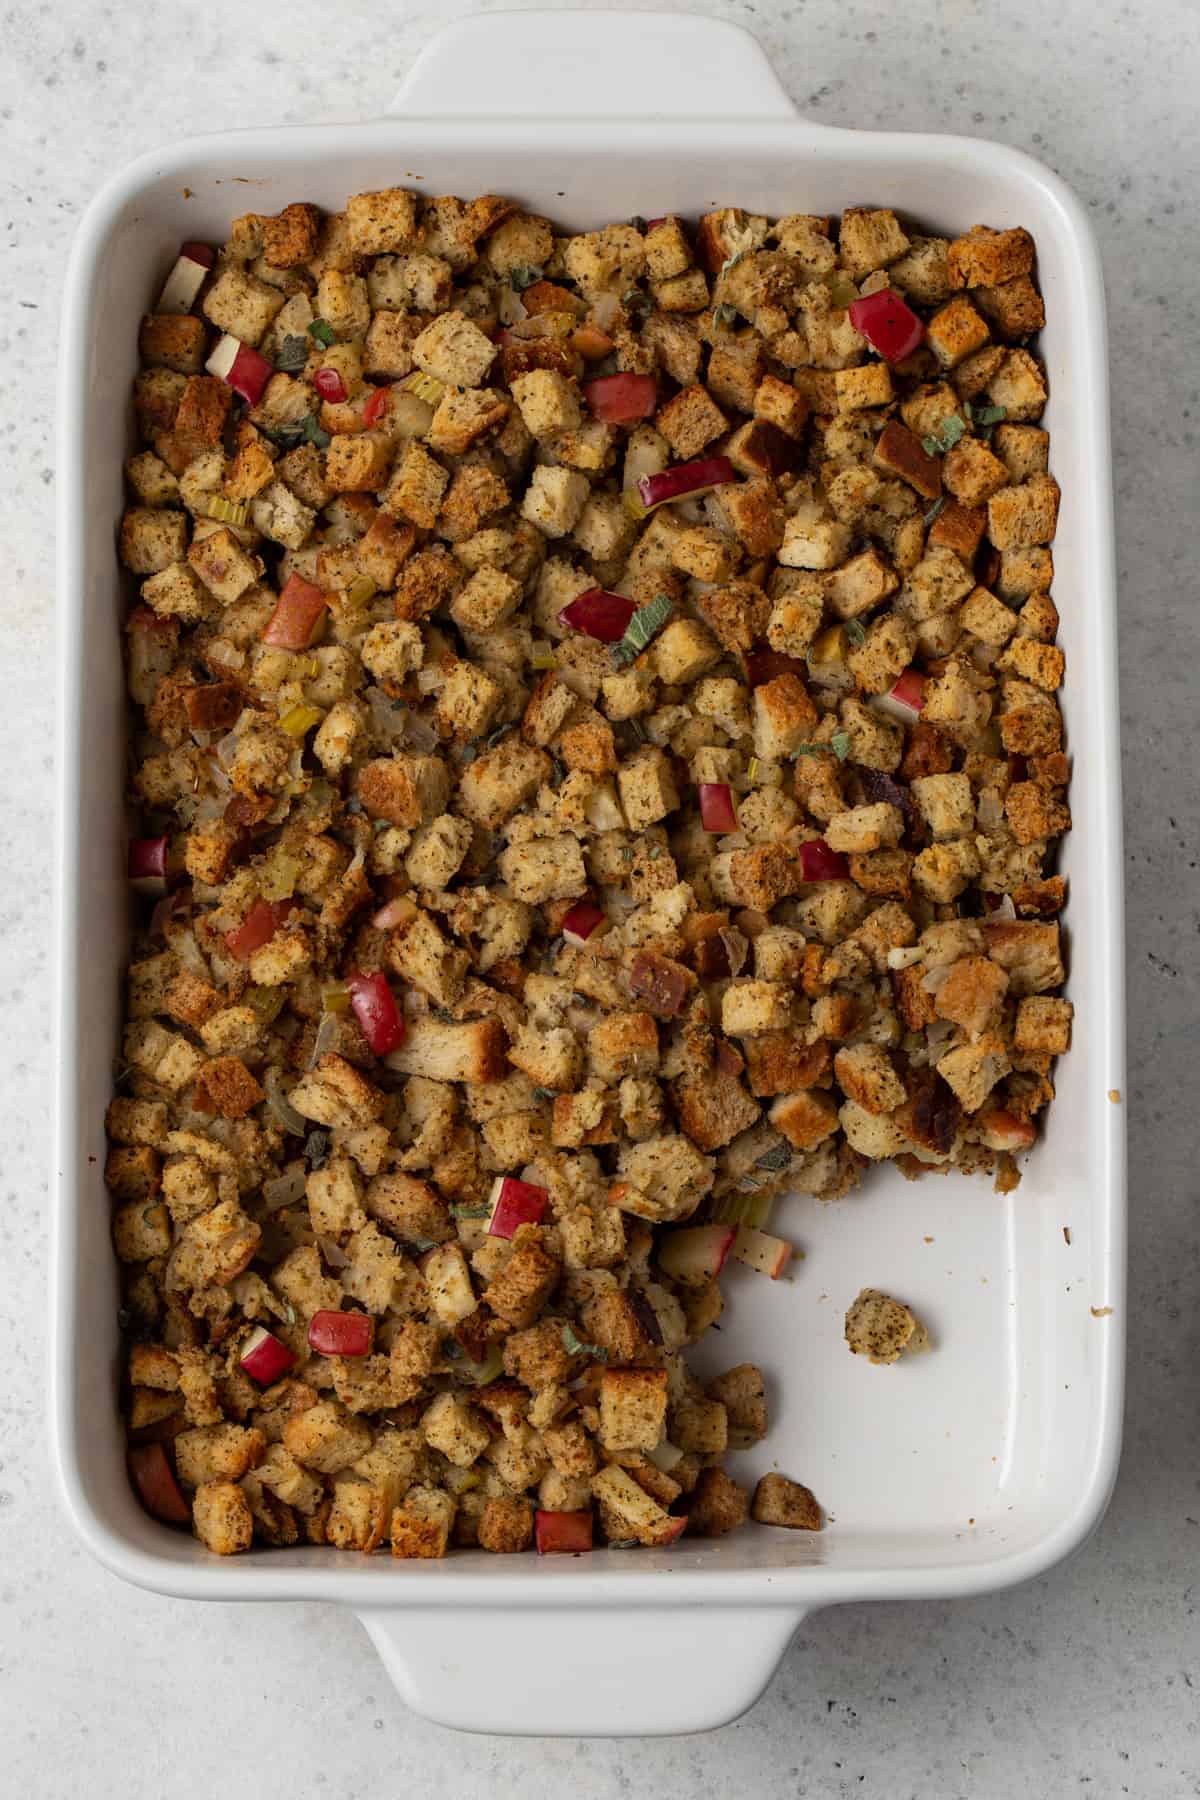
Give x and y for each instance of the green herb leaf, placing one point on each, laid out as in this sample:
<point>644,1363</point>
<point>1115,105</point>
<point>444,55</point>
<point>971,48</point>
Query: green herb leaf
<point>855,632</point>
<point>986,415</point>
<point>452,1350</point>
<point>575,1346</point>
<point>945,437</point>
<point>810,749</point>
<point>934,511</point>
<point>470,1212</point>
<point>725,315</point>
<point>646,621</point>
<point>777,1157</point>
<point>124,1318</point>
<point>636,303</point>
<point>544,1093</point>
<point>731,262</point>
<point>624,1544</point>
<point>638,223</point>
<point>839,743</point>
<point>322,332</point>
<point>523,276</point>
<point>314,433</point>
<point>493,737</point>
<point>293,355</point>
<point>422,1244</point>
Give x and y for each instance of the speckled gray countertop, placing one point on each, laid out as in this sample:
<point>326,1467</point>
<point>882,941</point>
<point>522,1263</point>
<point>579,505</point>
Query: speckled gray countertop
<point>1086,1680</point>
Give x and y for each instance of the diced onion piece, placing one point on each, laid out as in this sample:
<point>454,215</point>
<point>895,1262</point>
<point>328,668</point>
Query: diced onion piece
<point>562,1533</point>
<point>590,342</point>
<point>286,1189</point>
<point>543,657</point>
<point>1003,1130</point>
<point>758,1250</point>
<point>515,1203</point>
<point>599,614</point>
<point>329,385</point>
<point>186,278</point>
<point>159,1491</point>
<point>264,1358</point>
<point>697,1254</point>
<point>298,612</point>
<point>665,1456</point>
<point>361,590</point>
<point>819,863</point>
<point>889,325</point>
<point>147,866</point>
<point>257,928</point>
<point>698,477</point>
<point>903,956</point>
<point>376,1011</point>
<point>716,806</point>
<point>904,699</point>
<point>341,1333</point>
<point>240,368</point>
<point>299,720</point>
<point>621,399</point>
<point>335,1000</point>
<point>581,921</point>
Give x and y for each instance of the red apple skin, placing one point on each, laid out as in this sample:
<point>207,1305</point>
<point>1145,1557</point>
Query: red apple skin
<point>156,1485</point>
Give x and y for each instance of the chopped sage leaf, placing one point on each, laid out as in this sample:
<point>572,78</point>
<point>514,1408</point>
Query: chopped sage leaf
<point>638,223</point>
<point>523,276</point>
<point>839,743</point>
<point>470,1212</point>
<point>945,437</point>
<point>321,331</point>
<point>316,1149</point>
<point>646,621</point>
<point>935,511</point>
<point>293,355</point>
<point>725,314</point>
<point>855,632</point>
<point>575,1346</point>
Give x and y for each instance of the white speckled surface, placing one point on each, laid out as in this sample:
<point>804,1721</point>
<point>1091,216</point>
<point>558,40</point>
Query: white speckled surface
<point>1083,1681</point>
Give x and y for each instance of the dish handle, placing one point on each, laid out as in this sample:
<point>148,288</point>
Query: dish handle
<point>586,1672</point>
<point>581,65</point>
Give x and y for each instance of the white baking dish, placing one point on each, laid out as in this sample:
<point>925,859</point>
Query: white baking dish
<point>969,1469</point>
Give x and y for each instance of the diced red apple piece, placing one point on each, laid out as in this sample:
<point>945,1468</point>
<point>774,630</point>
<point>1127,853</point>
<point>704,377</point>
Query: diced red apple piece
<point>147,866</point>
<point>819,863</point>
<point>298,611</point>
<point>621,399</point>
<point>157,1487</point>
<point>685,480</point>
<point>377,1013</point>
<point>240,368</point>
<point>341,1333</point>
<point>717,811</point>
<point>667,1532</point>
<point>515,1203</point>
<point>889,325</point>
<point>599,614</point>
<point>759,1250</point>
<point>264,1358</point>
<point>562,1533</point>
<point>186,278</point>
<point>581,921</point>
<point>257,928</point>
<point>696,1254</point>
<point>904,699</point>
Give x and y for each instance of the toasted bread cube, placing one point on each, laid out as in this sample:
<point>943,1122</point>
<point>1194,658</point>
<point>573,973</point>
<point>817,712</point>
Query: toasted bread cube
<point>544,869</point>
<point>870,239</point>
<point>505,1525</point>
<point>939,581</point>
<point>779,1501</point>
<point>623,1043</point>
<point>519,1293</point>
<point>221,1517</point>
<point>547,401</point>
<point>899,452</point>
<point>454,350</point>
<point>955,332</point>
<point>152,539</point>
<point>750,1006</point>
<point>868,385</point>
<point>683,652</point>
<point>813,543</point>
<point>554,500</point>
<point>861,584</point>
<point>805,1118</point>
<point>987,618</point>
<point>633,1408</point>
<point>973,1070</point>
<point>881,1328</point>
<point>647,788</point>
<point>946,804</point>
<point>943,870</point>
<point>1019,387</point>
<point>860,828</point>
<point>383,222</point>
<point>1035,814</point>
<point>1043,1026</point>
<point>1014,309</point>
<point>1023,515</point>
<point>1041,664</point>
<point>971,473</point>
<point>983,257</point>
<point>358,463</point>
<point>604,529</point>
<point>217,1453</point>
<point>222,565</point>
<point>421,1524</point>
<point>971,993</point>
<point>690,420</point>
<point>239,303</point>
<point>451,1426</point>
<point>1023,449</point>
<point>780,404</point>
<point>784,717</point>
<point>627,1511</point>
<point>865,1074</point>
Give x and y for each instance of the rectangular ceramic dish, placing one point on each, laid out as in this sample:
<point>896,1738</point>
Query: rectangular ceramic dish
<point>950,1474</point>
